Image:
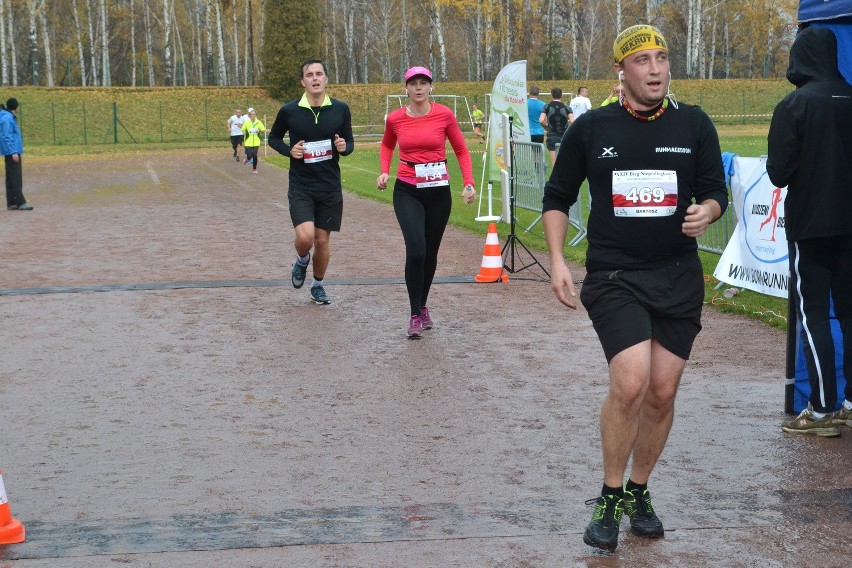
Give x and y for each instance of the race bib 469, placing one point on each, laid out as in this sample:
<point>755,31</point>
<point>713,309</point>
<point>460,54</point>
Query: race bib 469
<point>644,193</point>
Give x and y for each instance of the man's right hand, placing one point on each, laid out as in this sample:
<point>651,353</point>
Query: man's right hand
<point>560,279</point>
<point>298,150</point>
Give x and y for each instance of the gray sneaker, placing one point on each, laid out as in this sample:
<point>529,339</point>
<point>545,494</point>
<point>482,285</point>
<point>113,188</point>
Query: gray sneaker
<point>299,272</point>
<point>319,296</point>
<point>842,417</point>
<point>807,423</point>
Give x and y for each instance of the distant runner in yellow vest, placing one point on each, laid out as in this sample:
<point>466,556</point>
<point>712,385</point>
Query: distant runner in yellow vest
<point>253,130</point>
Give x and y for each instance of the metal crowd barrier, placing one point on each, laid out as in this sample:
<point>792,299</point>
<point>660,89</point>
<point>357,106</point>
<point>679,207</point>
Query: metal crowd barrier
<point>717,235</point>
<point>531,171</point>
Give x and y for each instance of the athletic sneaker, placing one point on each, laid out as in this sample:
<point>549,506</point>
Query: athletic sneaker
<point>643,520</point>
<point>254,171</point>
<point>415,327</point>
<point>299,271</point>
<point>319,296</point>
<point>807,423</point>
<point>424,318</point>
<point>842,417</point>
<point>602,531</point>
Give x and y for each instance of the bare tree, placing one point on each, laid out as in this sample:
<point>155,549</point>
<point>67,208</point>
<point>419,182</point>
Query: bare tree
<point>439,36</point>
<point>149,48</point>
<point>349,33</point>
<point>246,60</point>
<point>508,36</point>
<point>575,39</point>
<point>236,43</point>
<point>220,42</point>
<point>106,75</point>
<point>208,27</point>
<point>195,27</point>
<point>4,69</point>
<point>180,52</point>
<point>403,40</point>
<point>92,50</point>
<point>168,80</point>
<point>33,40</point>
<point>45,36</point>
<point>132,43</point>
<point>13,51</point>
<point>618,13</point>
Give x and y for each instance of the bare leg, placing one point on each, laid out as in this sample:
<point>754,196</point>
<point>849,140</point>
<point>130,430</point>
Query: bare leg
<point>630,373</point>
<point>657,412</point>
<point>304,238</point>
<point>322,253</point>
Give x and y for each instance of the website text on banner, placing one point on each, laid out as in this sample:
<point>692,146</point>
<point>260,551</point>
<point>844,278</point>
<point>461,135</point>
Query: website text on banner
<point>756,257</point>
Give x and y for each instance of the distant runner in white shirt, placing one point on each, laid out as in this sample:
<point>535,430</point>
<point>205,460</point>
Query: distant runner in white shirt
<point>235,130</point>
<point>580,103</point>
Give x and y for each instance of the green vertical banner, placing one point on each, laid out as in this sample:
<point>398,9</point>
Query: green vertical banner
<point>508,96</point>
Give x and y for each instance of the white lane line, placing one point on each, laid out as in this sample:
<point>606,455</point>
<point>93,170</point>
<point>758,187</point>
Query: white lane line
<point>152,173</point>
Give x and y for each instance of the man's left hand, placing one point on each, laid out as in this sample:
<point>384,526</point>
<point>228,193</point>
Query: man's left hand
<point>698,218</point>
<point>339,143</point>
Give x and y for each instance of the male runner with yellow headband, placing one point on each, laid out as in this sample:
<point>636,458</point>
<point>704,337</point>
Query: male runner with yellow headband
<point>656,181</point>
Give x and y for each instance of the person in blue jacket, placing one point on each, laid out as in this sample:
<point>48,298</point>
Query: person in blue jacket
<point>12,147</point>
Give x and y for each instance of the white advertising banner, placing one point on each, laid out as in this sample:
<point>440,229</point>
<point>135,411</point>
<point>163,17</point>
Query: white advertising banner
<point>756,257</point>
<point>508,96</point>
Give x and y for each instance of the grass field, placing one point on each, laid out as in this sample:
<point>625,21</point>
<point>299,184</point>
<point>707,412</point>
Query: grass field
<point>178,118</point>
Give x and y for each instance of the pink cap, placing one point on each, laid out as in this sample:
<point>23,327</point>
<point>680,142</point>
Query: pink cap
<point>418,71</point>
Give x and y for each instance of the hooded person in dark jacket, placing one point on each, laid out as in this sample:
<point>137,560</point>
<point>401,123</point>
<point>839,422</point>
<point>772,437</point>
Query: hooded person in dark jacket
<point>810,152</point>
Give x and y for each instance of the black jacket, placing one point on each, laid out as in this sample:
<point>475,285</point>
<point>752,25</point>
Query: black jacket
<point>606,142</point>
<point>810,141</point>
<point>313,124</point>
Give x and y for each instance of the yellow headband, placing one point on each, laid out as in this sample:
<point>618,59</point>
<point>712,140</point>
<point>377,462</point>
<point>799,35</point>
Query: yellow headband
<point>637,38</point>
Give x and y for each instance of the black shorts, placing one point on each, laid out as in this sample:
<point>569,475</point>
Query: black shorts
<point>537,138</point>
<point>553,140</point>
<point>322,208</point>
<point>236,140</point>
<point>628,307</point>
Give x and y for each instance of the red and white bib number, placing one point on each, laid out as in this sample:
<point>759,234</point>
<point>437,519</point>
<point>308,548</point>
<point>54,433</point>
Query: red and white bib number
<point>318,151</point>
<point>431,175</point>
<point>644,193</point>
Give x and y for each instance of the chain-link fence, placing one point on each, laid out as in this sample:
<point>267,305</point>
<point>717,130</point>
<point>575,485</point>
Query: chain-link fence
<point>93,122</point>
<point>195,115</point>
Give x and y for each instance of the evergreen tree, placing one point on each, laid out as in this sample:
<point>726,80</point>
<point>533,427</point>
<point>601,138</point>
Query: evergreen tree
<point>293,35</point>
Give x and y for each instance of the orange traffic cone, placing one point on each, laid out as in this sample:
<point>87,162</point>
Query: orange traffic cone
<point>11,530</point>
<point>492,262</point>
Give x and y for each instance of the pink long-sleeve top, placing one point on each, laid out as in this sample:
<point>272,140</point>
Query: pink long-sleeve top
<point>423,140</point>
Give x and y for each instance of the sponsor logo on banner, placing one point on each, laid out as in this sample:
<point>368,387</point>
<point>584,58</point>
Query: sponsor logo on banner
<point>508,96</point>
<point>756,257</point>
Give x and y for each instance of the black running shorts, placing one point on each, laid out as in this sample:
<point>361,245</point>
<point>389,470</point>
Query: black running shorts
<point>553,140</point>
<point>322,208</point>
<point>628,307</point>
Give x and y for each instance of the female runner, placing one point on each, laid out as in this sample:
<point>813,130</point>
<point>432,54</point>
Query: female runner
<point>421,196</point>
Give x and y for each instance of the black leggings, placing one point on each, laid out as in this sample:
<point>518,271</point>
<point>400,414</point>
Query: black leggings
<point>251,155</point>
<point>422,215</point>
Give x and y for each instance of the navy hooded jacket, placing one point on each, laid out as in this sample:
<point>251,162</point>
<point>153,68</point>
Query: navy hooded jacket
<point>810,141</point>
